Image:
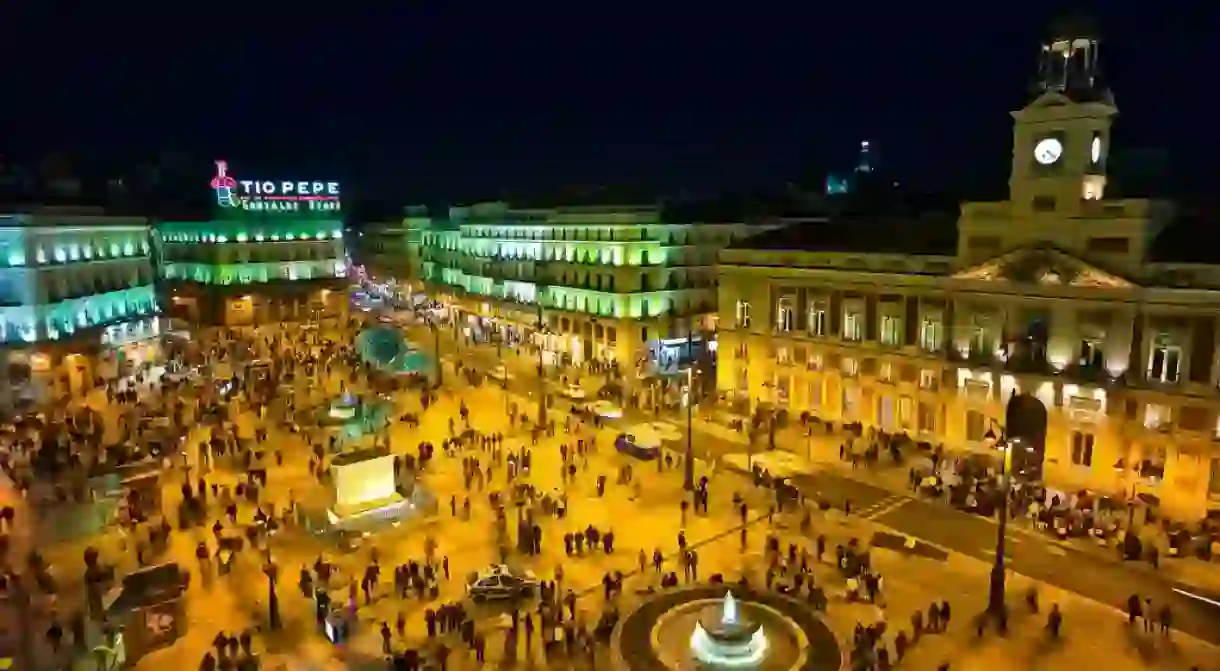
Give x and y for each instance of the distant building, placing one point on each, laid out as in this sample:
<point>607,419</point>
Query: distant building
<point>838,184</point>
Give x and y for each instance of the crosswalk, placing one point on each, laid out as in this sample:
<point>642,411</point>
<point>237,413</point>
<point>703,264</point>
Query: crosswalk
<point>778,464</point>
<point>887,505</point>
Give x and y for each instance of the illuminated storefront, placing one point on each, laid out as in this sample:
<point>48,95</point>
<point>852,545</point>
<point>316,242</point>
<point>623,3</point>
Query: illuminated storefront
<point>272,252</point>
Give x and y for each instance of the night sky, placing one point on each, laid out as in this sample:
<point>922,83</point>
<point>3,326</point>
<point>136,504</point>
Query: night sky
<point>419,108</point>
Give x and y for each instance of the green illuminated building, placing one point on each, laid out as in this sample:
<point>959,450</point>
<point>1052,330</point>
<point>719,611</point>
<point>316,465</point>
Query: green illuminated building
<point>254,267</point>
<point>615,283</point>
<point>75,283</point>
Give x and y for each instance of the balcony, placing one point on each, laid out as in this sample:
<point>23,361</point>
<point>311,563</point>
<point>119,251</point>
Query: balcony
<point>1028,363</point>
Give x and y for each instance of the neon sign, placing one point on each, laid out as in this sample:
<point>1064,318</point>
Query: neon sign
<point>269,196</point>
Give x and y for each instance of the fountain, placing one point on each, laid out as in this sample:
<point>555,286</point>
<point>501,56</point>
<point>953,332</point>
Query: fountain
<point>723,639</point>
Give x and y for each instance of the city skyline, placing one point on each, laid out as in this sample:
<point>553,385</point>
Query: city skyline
<point>443,111</point>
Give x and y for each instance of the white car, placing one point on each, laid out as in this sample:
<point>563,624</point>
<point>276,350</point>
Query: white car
<point>499,373</point>
<point>501,582</point>
<point>574,391</point>
<point>606,410</point>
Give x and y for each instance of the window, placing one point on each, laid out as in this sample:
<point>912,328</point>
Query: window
<point>853,326</point>
<point>743,315</point>
<point>927,379</point>
<point>814,362</point>
<point>1044,204</point>
<point>885,372</point>
<point>1156,416</point>
<point>930,334</point>
<point>782,385</point>
<point>891,330</point>
<point>1164,361</point>
<point>782,355</point>
<point>1091,355</point>
<point>927,417</point>
<point>817,319</point>
<point>850,367</point>
<point>976,425</point>
<point>906,412</point>
<point>783,315</point>
<point>815,396</point>
<point>1093,188</point>
<point>978,339</point>
<point>1082,448</point>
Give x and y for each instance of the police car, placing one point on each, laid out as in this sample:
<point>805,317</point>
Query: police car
<point>501,582</point>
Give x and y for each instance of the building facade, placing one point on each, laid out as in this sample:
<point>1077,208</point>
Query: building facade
<point>1099,307</point>
<point>614,284</point>
<point>272,252</point>
<point>247,272</point>
<point>77,288</point>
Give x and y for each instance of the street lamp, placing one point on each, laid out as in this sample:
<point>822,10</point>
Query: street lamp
<point>688,477</point>
<point>995,595</point>
<point>436,352</point>
<point>541,369</point>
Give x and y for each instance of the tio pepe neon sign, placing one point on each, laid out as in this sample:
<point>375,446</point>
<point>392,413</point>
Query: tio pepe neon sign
<point>268,196</point>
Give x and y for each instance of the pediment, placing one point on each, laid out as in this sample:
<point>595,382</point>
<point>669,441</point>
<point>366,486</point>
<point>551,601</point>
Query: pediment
<point>1043,266</point>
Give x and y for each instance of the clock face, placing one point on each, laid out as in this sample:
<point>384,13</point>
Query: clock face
<point>1048,150</point>
<point>1095,150</point>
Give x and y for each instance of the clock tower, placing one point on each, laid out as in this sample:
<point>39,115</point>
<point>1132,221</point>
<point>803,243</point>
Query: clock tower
<point>1061,139</point>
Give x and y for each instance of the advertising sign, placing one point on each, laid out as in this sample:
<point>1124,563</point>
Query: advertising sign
<point>261,195</point>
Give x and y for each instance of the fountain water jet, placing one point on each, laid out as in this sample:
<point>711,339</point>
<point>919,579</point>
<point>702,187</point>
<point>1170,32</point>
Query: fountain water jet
<point>723,639</point>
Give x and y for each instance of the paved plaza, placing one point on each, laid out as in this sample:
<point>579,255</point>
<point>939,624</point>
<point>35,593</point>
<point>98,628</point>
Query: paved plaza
<point>644,515</point>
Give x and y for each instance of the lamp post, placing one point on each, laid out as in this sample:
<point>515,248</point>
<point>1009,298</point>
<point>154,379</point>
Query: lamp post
<point>688,476</point>
<point>995,594</point>
<point>436,352</point>
<point>541,369</point>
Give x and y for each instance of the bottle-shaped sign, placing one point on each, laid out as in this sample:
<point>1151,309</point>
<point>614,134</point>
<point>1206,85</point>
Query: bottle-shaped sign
<point>224,185</point>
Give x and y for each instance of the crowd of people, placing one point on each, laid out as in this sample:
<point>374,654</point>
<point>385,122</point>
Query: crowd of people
<point>210,425</point>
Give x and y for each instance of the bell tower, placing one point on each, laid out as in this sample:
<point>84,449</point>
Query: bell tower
<point>1061,139</point>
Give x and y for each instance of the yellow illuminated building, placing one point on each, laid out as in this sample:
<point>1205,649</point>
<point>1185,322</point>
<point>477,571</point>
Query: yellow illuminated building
<point>614,283</point>
<point>1102,308</point>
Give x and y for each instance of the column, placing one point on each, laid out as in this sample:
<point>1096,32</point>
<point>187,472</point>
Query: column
<point>1120,340</point>
<point>958,325</point>
<point>1138,329</point>
<point>1062,349</point>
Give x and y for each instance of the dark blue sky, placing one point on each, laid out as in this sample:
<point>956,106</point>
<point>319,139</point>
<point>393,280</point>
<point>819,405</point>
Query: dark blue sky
<point>458,107</point>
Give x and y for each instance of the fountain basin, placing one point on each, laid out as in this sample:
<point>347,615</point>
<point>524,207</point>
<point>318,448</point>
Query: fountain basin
<point>657,634</point>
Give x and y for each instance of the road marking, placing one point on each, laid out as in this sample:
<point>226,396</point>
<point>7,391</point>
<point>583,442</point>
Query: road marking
<point>884,506</point>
